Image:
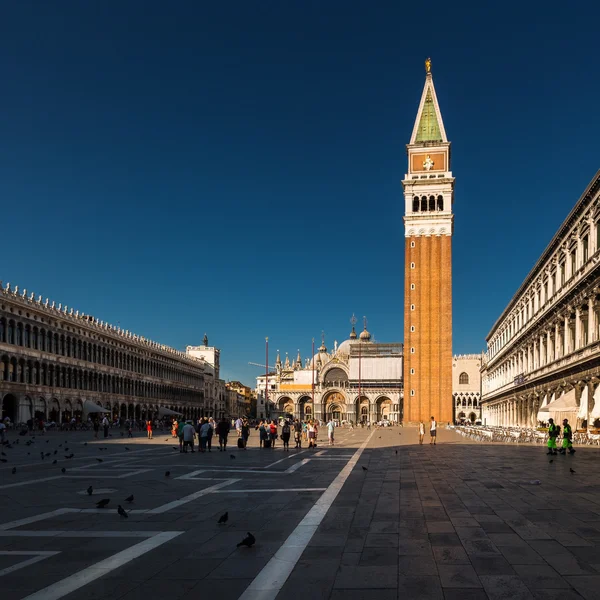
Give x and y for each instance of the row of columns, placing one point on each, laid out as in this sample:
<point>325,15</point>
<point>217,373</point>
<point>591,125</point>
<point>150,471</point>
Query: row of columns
<point>566,336</point>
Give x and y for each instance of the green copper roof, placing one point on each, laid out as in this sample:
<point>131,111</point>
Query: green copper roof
<point>429,128</point>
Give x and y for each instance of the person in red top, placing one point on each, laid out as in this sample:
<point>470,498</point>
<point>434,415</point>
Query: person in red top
<point>273,433</point>
<point>149,428</point>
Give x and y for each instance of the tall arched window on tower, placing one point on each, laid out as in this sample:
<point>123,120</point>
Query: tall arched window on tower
<point>424,203</point>
<point>440,203</point>
<point>416,204</point>
<point>431,203</point>
<point>463,378</point>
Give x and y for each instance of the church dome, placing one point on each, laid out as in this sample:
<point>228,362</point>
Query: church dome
<point>365,336</point>
<point>344,347</point>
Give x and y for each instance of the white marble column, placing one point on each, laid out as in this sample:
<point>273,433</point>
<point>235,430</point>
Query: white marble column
<point>591,321</point>
<point>577,328</point>
<point>566,336</point>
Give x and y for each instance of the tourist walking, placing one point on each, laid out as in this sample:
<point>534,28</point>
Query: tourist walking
<point>223,431</point>
<point>433,431</point>
<point>105,425</point>
<point>211,432</point>
<point>311,435</point>
<point>273,433</point>
<point>285,435</point>
<point>298,433</point>
<point>330,430</point>
<point>245,432</point>
<point>262,434</point>
<point>567,443</point>
<point>553,431</point>
<point>203,434</point>
<point>149,428</point>
<point>188,436</point>
<point>421,432</point>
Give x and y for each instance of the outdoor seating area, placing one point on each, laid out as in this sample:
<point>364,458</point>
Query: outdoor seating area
<point>521,435</point>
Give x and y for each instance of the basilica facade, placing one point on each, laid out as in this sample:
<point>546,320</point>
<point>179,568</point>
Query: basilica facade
<point>57,364</point>
<point>359,381</point>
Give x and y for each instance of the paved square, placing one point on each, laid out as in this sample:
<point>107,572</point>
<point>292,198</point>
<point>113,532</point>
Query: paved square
<point>457,520</point>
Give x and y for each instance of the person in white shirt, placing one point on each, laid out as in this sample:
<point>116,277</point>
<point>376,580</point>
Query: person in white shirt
<point>188,436</point>
<point>330,431</point>
<point>238,426</point>
<point>432,431</point>
<point>421,432</point>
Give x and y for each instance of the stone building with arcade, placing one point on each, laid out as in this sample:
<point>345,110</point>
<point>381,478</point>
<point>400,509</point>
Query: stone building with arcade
<point>543,352</point>
<point>359,381</point>
<point>55,362</point>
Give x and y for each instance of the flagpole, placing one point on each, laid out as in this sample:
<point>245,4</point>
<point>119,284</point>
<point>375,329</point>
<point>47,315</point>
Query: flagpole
<point>267,377</point>
<point>313,377</point>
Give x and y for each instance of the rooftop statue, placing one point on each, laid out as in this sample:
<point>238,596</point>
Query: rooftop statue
<point>428,66</point>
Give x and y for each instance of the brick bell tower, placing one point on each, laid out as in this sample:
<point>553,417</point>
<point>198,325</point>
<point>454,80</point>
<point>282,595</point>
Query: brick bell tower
<point>428,223</point>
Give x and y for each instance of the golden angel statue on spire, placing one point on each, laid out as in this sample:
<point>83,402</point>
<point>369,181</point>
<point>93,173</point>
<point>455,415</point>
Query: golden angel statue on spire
<point>428,66</point>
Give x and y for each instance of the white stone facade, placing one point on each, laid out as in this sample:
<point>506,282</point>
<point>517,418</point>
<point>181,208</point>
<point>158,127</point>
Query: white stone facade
<point>466,387</point>
<point>544,348</point>
<point>54,360</point>
<point>358,381</point>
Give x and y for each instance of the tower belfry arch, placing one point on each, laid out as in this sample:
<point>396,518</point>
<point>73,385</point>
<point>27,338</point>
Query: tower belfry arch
<point>428,226</point>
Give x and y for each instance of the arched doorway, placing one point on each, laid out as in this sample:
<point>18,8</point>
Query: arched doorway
<point>10,408</point>
<point>363,409</point>
<point>303,402</point>
<point>335,406</point>
<point>384,409</point>
<point>472,417</point>
<point>461,416</point>
<point>55,411</point>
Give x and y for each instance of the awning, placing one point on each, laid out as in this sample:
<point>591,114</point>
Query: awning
<point>595,414</point>
<point>583,404</point>
<point>541,416</point>
<point>89,408</point>
<point>166,412</point>
<point>566,403</point>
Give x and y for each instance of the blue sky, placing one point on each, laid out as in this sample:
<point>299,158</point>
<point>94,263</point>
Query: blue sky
<point>235,168</point>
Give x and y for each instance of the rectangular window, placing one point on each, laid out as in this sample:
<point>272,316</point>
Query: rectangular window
<point>584,247</point>
<point>562,268</point>
<point>573,262</point>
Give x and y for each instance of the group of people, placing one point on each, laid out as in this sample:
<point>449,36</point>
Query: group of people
<point>432,431</point>
<point>204,430</point>
<point>567,441</point>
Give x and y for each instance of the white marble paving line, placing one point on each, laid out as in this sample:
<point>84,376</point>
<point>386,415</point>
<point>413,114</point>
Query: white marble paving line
<point>297,465</point>
<point>177,503</point>
<point>269,490</point>
<point>74,582</point>
<point>320,453</point>
<point>29,482</point>
<point>36,518</point>
<point>79,534</point>
<point>65,461</point>
<point>36,556</point>
<point>67,475</point>
<point>268,583</point>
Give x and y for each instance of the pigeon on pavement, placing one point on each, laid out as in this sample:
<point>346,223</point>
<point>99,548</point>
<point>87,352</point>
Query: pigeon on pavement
<point>122,512</point>
<point>223,518</point>
<point>365,469</point>
<point>571,470</point>
<point>63,470</point>
<point>232,456</point>
<point>248,541</point>
<point>129,498</point>
<point>99,460</point>
<point>89,490</point>
<point>14,470</point>
<point>167,473</point>
<point>102,503</point>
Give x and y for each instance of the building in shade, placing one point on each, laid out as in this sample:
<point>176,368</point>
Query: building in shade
<point>359,380</point>
<point>428,223</point>
<point>56,364</point>
<point>466,387</point>
<point>543,352</point>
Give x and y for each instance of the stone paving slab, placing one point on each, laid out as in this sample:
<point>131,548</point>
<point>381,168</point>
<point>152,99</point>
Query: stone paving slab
<point>456,520</point>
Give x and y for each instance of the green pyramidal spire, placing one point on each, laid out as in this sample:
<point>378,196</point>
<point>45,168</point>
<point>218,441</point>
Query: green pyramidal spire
<point>429,128</point>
